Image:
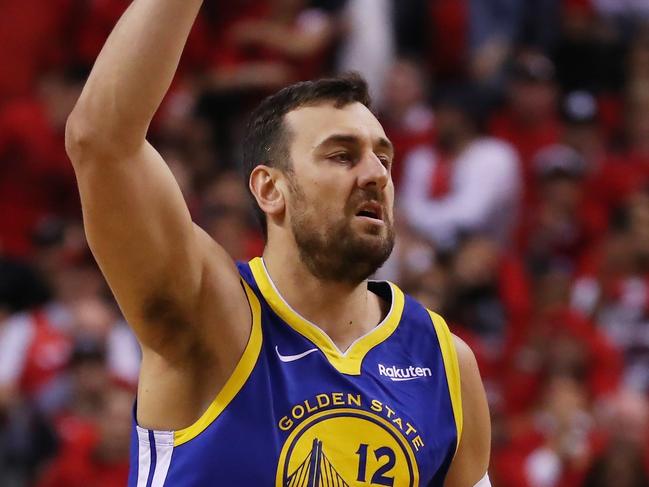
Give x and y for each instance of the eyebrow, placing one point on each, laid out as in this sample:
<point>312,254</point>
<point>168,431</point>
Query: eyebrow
<point>381,142</point>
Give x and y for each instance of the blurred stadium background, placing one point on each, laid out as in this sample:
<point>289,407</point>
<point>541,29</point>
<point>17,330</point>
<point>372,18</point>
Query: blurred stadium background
<point>522,136</point>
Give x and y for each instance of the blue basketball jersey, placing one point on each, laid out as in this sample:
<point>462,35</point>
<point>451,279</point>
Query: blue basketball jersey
<point>297,411</point>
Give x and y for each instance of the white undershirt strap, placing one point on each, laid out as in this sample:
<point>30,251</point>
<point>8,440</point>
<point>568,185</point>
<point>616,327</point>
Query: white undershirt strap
<point>484,481</point>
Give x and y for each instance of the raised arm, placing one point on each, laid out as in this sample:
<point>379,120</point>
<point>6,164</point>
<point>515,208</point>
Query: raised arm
<point>177,288</point>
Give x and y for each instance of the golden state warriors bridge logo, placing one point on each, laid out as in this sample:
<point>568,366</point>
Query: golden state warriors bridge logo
<point>347,446</point>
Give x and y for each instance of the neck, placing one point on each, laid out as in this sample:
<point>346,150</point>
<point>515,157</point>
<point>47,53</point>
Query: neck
<point>342,310</point>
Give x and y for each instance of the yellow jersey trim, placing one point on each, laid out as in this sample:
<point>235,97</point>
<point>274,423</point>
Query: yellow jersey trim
<point>452,368</point>
<point>351,360</point>
<point>236,381</point>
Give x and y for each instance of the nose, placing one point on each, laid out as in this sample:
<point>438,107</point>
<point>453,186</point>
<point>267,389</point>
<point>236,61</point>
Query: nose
<point>372,172</point>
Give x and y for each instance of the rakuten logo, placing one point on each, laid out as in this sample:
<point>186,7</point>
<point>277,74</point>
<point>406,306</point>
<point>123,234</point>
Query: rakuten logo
<point>404,373</point>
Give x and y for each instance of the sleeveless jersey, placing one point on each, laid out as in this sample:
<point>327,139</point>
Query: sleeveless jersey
<point>297,411</point>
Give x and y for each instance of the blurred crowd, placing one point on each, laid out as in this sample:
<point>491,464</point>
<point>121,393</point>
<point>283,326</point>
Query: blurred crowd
<point>521,130</point>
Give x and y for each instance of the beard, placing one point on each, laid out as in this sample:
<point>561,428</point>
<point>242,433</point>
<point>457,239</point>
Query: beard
<point>335,251</point>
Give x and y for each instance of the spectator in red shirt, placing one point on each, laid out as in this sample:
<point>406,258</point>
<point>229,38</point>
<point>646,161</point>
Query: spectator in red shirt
<point>97,18</point>
<point>559,341</point>
<point>485,298</point>
<point>33,38</point>
<point>89,382</point>
<point>100,457</point>
<point>34,353</point>
<point>35,175</point>
<point>258,47</point>
<point>466,183</point>
<point>553,446</point>
<point>627,171</point>
<point>529,121</point>
<point>558,230</point>
<point>271,44</point>
<point>614,291</point>
<point>623,459</point>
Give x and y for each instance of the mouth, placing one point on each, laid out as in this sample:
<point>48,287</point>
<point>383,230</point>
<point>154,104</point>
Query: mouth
<point>372,211</point>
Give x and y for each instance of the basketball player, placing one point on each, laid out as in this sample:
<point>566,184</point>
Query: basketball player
<point>289,370</point>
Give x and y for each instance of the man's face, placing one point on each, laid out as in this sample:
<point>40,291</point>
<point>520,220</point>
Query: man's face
<point>341,196</point>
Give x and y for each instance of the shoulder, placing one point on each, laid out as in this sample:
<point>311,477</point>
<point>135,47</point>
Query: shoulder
<point>472,458</point>
<point>465,356</point>
<point>471,382</point>
<point>469,406</point>
<point>462,367</point>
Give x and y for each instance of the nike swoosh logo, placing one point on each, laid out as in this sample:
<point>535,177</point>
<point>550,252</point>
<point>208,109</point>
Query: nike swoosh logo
<point>293,358</point>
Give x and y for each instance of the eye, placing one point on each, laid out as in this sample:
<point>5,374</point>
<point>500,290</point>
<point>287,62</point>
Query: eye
<point>385,160</point>
<point>342,157</point>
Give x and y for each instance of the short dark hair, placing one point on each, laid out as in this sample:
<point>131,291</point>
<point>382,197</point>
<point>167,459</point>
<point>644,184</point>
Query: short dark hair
<point>267,139</point>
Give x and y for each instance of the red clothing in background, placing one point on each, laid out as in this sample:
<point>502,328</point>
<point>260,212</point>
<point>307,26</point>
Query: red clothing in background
<point>524,377</point>
<point>34,353</point>
<point>46,357</point>
<point>77,465</point>
<point>527,139</point>
<point>515,297</point>
<point>36,177</point>
<point>449,38</point>
<point>618,178</point>
<point>100,17</point>
<point>33,34</point>
<point>510,465</point>
<point>227,54</point>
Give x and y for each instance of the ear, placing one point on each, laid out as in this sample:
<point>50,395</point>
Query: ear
<point>264,186</point>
